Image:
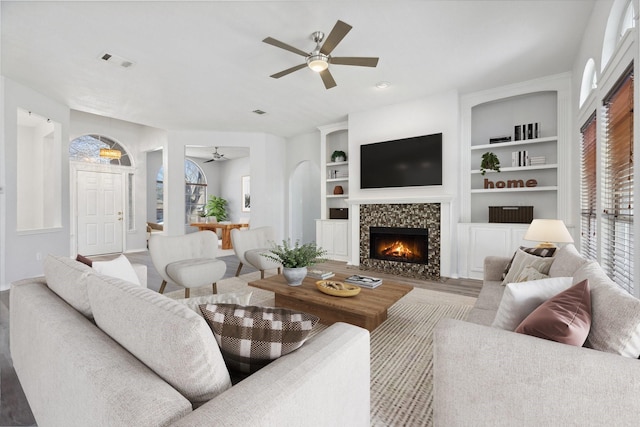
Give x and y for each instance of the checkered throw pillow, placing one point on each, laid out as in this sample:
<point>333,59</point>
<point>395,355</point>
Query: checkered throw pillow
<point>251,337</point>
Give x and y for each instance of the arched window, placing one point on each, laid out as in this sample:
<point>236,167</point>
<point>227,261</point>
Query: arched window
<point>621,19</point>
<point>195,191</point>
<point>98,149</point>
<point>589,80</point>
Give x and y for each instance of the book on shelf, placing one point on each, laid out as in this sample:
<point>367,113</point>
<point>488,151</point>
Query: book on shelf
<point>364,281</point>
<point>320,274</point>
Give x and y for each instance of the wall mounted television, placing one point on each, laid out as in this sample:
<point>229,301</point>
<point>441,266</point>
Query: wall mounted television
<point>406,162</point>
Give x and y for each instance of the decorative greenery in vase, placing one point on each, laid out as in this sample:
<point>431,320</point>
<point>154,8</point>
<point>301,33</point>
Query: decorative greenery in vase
<point>216,206</point>
<point>489,162</point>
<point>338,156</point>
<point>295,256</point>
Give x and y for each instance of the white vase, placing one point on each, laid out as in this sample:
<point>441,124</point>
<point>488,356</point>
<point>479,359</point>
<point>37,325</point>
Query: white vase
<point>294,276</point>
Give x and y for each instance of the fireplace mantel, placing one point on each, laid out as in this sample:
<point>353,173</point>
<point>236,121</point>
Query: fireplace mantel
<point>440,198</point>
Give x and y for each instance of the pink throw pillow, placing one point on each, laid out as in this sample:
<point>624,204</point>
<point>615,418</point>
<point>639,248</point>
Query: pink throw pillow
<point>564,318</point>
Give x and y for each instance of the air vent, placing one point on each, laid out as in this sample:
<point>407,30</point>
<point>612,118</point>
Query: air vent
<point>116,60</point>
<point>260,112</point>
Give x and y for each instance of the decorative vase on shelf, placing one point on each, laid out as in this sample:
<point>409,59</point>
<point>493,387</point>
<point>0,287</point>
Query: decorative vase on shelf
<point>338,189</point>
<point>294,276</point>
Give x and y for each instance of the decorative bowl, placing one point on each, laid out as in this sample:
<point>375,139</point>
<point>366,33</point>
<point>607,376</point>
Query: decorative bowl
<point>337,289</point>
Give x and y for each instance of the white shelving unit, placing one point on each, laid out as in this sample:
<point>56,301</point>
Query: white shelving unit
<point>333,234</point>
<point>495,113</point>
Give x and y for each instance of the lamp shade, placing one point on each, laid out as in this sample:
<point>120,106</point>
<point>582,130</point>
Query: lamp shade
<point>548,231</point>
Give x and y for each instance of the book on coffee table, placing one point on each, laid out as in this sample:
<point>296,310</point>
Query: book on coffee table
<point>320,274</point>
<point>364,281</point>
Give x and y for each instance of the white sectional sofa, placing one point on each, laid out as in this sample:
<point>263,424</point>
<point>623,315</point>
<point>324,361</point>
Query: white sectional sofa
<point>487,376</point>
<point>137,358</point>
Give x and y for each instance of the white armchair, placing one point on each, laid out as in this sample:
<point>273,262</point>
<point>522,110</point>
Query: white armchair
<point>249,244</point>
<point>188,260</point>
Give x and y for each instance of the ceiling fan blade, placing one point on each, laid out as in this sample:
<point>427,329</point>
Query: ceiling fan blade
<point>281,45</point>
<point>327,79</point>
<point>207,161</point>
<point>288,71</point>
<point>335,36</point>
<point>359,61</point>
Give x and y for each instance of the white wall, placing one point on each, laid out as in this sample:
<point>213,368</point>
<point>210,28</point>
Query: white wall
<point>24,251</point>
<point>435,114</point>
<point>303,197</point>
<point>230,179</point>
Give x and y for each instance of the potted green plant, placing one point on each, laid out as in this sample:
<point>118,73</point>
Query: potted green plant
<point>489,162</point>
<point>216,206</point>
<point>338,156</point>
<point>295,259</point>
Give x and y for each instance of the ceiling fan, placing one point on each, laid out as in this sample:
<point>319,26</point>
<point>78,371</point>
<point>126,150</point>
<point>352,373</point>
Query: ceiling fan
<point>216,156</point>
<point>320,58</point>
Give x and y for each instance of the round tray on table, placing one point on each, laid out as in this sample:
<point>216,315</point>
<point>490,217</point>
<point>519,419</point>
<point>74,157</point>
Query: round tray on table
<point>337,289</point>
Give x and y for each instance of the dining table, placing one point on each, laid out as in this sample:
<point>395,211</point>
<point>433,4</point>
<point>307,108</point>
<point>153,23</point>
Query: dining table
<point>226,228</point>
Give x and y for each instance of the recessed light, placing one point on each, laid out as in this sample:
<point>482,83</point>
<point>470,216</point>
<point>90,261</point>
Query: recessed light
<point>383,85</point>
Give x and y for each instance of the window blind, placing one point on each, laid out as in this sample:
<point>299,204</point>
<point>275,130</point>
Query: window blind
<point>588,187</point>
<point>617,194</point>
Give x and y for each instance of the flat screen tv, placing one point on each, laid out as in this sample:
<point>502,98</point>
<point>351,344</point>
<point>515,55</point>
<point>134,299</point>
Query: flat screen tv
<point>407,162</point>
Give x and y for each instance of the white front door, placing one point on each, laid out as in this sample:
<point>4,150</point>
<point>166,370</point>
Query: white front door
<point>100,213</point>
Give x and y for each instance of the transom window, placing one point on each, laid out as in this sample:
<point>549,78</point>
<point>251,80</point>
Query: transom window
<point>98,149</point>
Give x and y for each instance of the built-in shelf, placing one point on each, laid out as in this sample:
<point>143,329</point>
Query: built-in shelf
<point>346,178</point>
<point>338,163</point>
<point>514,143</point>
<point>514,190</point>
<point>337,196</point>
<point>520,168</point>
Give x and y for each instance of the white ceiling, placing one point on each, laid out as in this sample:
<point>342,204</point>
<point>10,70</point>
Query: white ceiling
<point>202,65</point>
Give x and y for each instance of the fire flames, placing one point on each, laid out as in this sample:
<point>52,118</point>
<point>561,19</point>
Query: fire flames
<point>397,250</point>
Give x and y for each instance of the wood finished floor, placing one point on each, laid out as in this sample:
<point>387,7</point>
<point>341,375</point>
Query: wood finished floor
<point>14,409</point>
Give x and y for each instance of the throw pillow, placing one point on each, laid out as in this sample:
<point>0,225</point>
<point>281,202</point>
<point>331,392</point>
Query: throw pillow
<point>523,259</point>
<point>84,260</point>
<point>616,314</point>
<point>567,261</point>
<point>251,337</point>
<point>529,273</point>
<point>565,318</point>
<point>520,299</point>
<point>241,298</point>
<point>68,279</point>
<point>541,252</point>
<point>119,267</point>
<point>165,335</point>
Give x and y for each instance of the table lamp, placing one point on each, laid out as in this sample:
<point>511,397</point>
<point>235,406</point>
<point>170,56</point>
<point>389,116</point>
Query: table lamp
<point>548,232</point>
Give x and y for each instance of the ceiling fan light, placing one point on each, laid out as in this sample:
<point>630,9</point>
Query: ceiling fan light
<point>318,62</point>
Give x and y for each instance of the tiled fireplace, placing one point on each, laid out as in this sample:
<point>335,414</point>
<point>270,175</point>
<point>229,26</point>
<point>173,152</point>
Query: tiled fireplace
<point>402,239</point>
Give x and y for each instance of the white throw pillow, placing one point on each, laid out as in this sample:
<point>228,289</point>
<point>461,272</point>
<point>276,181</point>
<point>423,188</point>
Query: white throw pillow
<point>522,260</point>
<point>520,299</point>
<point>120,268</point>
<point>238,298</point>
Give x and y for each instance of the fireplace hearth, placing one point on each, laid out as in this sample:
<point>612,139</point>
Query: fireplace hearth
<point>399,244</point>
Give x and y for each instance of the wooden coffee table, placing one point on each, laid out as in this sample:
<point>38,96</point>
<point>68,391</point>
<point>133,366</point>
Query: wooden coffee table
<point>368,309</point>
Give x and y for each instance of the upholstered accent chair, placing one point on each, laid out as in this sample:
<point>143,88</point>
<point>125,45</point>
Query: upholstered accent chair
<point>249,245</point>
<point>188,260</point>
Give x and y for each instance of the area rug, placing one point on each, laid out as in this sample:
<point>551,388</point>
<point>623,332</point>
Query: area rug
<point>401,349</point>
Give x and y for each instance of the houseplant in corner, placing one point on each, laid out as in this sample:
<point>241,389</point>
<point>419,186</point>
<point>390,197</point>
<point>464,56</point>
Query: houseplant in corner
<point>489,162</point>
<point>216,206</point>
<point>295,259</point>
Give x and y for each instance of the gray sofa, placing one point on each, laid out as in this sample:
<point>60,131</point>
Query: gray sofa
<point>486,376</point>
<point>151,361</point>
